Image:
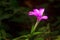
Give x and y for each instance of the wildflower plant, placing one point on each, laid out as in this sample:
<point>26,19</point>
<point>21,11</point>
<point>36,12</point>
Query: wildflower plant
<point>39,15</point>
<point>11,12</point>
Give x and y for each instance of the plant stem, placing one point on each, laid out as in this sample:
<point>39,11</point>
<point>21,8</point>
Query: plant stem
<point>36,25</point>
<point>37,22</point>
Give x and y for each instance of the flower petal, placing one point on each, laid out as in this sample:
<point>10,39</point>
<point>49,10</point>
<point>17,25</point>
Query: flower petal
<point>36,10</point>
<point>41,10</point>
<point>30,13</point>
<point>44,17</point>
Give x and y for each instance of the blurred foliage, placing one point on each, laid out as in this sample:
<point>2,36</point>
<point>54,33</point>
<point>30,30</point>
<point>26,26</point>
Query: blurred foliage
<point>10,10</point>
<point>58,37</point>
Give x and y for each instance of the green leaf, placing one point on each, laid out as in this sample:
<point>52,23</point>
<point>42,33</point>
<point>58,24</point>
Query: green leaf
<point>24,36</point>
<point>32,29</point>
<point>36,33</point>
<point>39,39</point>
<point>3,34</point>
<point>58,38</point>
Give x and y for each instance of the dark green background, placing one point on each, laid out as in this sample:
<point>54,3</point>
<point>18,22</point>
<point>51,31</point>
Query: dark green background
<point>15,21</point>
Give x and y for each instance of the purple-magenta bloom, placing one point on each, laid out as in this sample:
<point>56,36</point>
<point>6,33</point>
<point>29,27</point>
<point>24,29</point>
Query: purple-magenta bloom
<point>38,14</point>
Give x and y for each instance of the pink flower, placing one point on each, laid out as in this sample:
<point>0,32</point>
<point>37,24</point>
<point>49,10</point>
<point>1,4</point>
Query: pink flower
<point>38,14</point>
